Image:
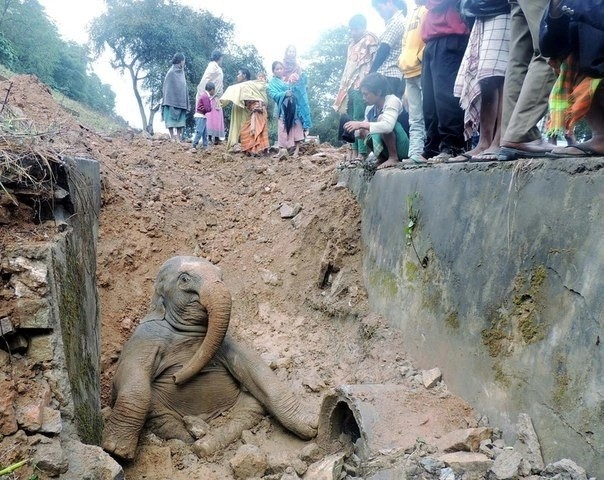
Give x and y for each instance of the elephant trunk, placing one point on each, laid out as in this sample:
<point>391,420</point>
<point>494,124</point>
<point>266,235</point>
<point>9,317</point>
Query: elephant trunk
<point>217,300</point>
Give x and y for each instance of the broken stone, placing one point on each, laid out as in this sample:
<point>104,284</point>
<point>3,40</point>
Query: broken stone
<point>281,460</point>
<point>249,462</point>
<point>507,465</point>
<point>51,421</point>
<point>431,465</point>
<point>476,464</point>
<point>310,453</point>
<point>49,457</point>
<point>528,445</point>
<point>330,468</point>
<point>467,440</point>
<point>287,211</point>
<point>6,326</point>
<point>297,220</point>
<point>29,416</point>
<point>33,313</point>
<point>90,461</point>
<point>8,415</point>
<point>41,348</point>
<point>565,468</point>
<point>33,275</point>
<point>431,377</point>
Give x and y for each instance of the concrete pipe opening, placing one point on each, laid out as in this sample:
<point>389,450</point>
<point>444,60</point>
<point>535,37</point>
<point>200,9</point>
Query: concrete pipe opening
<point>344,423</point>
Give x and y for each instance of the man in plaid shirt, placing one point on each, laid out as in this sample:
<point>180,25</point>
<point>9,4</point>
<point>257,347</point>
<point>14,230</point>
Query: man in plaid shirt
<point>390,43</point>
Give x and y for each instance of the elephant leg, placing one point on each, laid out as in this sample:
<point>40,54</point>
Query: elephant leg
<point>168,426</point>
<point>257,377</point>
<point>131,398</point>
<point>245,414</point>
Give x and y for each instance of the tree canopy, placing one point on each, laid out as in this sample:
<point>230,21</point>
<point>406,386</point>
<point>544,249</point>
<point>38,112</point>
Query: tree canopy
<point>143,35</point>
<point>30,43</point>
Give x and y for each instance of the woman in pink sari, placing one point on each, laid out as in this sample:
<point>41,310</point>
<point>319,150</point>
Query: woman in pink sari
<point>215,118</point>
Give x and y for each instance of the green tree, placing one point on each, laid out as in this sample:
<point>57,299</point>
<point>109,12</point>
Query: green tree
<point>30,43</point>
<point>328,58</point>
<point>143,35</point>
<point>34,39</point>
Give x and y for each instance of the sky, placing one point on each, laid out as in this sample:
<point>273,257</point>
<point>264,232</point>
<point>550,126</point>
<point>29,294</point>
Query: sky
<point>270,25</point>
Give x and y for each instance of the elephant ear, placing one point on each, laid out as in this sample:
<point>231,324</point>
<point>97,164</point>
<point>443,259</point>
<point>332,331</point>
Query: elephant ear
<point>157,310</point>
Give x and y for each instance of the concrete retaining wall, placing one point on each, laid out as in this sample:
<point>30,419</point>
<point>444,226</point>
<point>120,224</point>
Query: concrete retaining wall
<point>499,283</point>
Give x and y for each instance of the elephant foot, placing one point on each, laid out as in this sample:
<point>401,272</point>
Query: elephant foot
<point>120,448</point>
<point>169,427</point>
<point>245,414</point>
<point>303,425</point>
<point>120,439</point>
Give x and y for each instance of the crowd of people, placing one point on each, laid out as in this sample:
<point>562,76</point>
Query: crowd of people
<point>450,81</point>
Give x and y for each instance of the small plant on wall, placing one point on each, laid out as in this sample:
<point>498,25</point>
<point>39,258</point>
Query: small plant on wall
<point>412,222</point>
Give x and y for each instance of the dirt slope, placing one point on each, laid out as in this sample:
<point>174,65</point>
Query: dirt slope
<point>297,284</point>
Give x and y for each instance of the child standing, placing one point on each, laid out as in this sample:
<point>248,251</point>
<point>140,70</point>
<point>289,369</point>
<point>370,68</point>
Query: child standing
<point>204,105</point>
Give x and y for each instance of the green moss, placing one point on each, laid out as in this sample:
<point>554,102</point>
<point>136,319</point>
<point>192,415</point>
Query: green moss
<point>410,271</point>
<point>384,282</point>
<point>501,378</point>
<point>527,305</point>
<point>538,277</point>
<point>89,422</point>
<point>431,299</point>
<point>452,320</point>
<point>82,364</point>
<point>494,338</point>
<point>559,396</point>
<point>531,330</point>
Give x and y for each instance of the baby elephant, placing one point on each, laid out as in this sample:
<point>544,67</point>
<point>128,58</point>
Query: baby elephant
<point>179,362</point>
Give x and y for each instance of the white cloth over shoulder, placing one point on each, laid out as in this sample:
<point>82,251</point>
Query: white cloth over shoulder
<point>388,116</point>
<point>214,74</point>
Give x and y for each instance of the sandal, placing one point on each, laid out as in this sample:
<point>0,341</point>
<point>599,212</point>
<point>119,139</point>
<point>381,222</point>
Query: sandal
<point>461,158</point>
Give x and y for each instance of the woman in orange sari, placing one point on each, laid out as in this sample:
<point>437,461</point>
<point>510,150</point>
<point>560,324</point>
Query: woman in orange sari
<point>254,131</point>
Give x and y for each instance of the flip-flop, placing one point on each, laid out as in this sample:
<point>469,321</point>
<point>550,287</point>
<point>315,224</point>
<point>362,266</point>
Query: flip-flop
<point>461,158</point>
<point>507,154</point>
<point>586,152</point>
<point>485,157</point>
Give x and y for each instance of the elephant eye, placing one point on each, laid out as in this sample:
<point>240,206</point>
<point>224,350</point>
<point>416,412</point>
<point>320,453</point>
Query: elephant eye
<point>184,278</point>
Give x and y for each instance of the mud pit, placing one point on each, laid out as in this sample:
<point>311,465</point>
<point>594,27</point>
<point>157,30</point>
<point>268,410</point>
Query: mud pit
<point>298,295</point>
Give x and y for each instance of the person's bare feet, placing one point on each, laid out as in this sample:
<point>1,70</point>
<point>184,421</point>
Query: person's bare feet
<point>391,162</point>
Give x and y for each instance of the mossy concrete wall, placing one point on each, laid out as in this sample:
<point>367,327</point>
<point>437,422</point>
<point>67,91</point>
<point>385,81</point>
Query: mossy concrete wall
<point>498,281</point>
<point>74,291</point>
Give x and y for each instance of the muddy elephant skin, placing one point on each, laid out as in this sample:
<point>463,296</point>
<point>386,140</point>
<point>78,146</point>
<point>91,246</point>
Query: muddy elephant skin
<point>180,362</point>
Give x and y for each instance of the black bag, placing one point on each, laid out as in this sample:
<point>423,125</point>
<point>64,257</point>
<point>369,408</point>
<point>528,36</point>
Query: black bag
<point>483,8</point>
